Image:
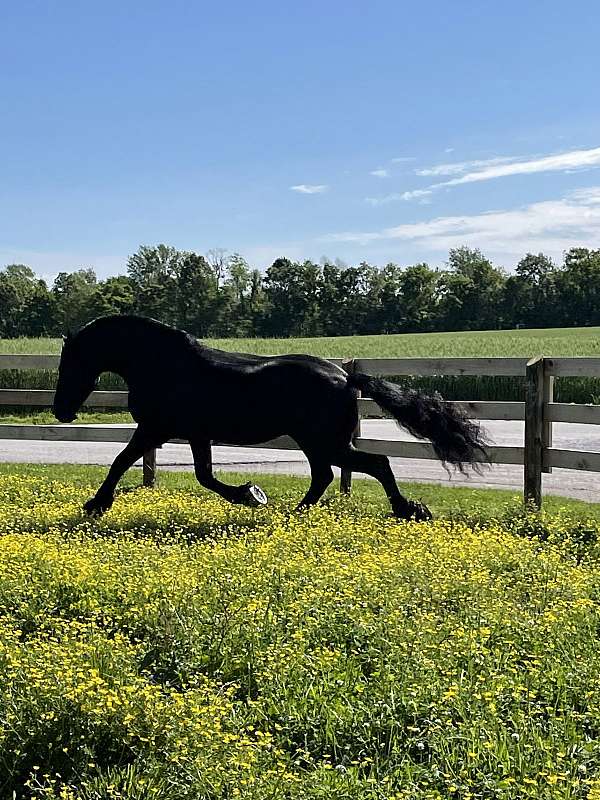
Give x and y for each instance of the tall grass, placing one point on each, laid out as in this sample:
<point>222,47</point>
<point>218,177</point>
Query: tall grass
<point>525,343</point>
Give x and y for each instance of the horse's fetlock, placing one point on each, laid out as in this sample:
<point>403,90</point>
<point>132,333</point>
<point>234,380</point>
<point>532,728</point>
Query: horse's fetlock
<point>98,505</point>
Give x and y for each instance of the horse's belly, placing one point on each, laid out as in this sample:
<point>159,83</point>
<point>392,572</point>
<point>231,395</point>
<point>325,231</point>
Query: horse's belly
<point>242,434</point>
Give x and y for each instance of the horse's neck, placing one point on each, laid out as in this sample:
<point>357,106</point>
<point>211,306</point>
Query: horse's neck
<point>115,354</point>
<point>125,353</point>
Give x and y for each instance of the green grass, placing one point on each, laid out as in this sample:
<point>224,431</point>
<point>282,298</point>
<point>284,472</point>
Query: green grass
<point>447,502</point>
<point>43,417</point>
<point>186,649</point>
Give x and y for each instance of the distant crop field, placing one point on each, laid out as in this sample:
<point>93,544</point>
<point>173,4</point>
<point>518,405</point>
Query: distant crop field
<point>526,343</point>
<point>517,343</point>
<point>545,341</point>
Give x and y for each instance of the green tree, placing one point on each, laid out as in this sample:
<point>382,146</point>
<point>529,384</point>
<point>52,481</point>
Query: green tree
<point>392,311</point>
<point>418,288</point>
<point>530,294</point>
<point>198,301</point>
<point>332,300</point>
<point>115,295</point>
<point>17,286</point>
<point>578,288</point>
<point>292,298</point>
<point>72,293</point>
<point>471,292</point>
<point>154,272</point>
<point>237,300</point>
<point>256,303</point>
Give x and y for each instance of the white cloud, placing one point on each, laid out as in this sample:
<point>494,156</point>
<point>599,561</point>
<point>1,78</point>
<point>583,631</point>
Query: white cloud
<point>308,188</point>
<point>461,166</point>
<point>390,198</point>
<point>551,225</point>
<point>403,159</point>
<point>379,173</point>
<point>573,160</point>
<point>499,167</point>
<point>416,193</point>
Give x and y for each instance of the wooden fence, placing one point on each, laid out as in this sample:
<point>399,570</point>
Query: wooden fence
<point>538,410</point>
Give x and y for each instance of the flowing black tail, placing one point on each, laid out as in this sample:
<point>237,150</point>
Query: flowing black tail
<point>455,438</point>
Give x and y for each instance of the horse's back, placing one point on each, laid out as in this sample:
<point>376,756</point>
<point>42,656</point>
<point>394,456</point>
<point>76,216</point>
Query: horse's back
<point>244,398</point>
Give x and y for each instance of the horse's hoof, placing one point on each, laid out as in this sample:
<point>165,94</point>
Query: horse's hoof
<point>95,507</point>
<point>414,512</point>
<point>418,512</point>
<point>254,496</point>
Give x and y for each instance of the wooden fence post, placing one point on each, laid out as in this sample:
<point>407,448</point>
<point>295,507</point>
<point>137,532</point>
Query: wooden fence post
<point>149,468</point>
<point>534,431</point>
<point>349,366</point>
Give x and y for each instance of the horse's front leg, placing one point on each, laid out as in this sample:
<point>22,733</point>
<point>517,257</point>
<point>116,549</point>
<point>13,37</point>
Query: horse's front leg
<point>140,443</point>
<point>248,494</point>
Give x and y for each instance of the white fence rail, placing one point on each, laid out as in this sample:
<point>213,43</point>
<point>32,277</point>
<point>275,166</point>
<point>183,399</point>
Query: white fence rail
<point>537,409</point>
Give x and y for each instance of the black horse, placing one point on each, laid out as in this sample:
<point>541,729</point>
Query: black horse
<point>180,389</point>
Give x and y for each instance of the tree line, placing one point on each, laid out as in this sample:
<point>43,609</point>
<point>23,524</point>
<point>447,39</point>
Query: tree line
<point>219,295</point>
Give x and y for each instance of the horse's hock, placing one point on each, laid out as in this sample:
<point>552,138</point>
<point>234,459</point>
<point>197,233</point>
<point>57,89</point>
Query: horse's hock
<point>537,409</point>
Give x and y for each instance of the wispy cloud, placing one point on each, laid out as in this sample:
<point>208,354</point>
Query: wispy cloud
<point>380,173</point>
<point>551,225</point>
<point>493,168</point>
<point>573,160</point>
<point>459,167</point>
<point>402,159</point>
<point>390,198</point>
<point>309,188</point>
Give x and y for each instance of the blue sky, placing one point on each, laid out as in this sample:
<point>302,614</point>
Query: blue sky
<point>381,131</point>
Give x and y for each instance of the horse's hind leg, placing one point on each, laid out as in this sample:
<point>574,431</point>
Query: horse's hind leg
<point>248,494</point>
<point>378,466</point>
<point>141,441</point>
<point>321,476</point>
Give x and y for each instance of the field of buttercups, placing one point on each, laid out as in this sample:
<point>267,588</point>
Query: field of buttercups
<point>181,647</point>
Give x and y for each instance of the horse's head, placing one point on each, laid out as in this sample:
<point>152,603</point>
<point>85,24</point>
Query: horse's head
<point>77,377</point>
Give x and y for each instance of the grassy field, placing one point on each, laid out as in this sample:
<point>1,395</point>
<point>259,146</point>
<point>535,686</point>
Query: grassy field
<point>525,343</point>
<point>185,649</point>
<point>450,502</point>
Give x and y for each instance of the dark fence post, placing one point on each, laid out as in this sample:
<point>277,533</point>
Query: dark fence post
<point>149,468</point>
<point>534,431</point>
<point>349,366</point>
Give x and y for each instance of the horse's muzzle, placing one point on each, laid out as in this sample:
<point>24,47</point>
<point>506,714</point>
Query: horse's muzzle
<point>63,416</point>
